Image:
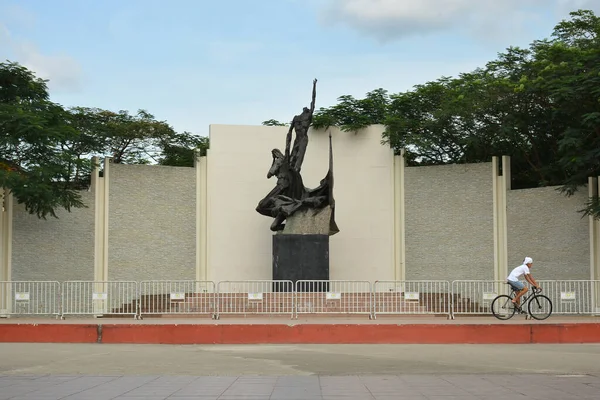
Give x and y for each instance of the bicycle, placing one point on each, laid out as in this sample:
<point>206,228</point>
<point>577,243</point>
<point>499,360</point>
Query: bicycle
<point>538,306</point>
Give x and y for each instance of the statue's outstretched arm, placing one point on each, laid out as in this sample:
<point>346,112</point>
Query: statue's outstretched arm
<point>314,96</point>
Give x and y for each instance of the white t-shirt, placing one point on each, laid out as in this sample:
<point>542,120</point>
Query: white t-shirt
<point>518,272</point>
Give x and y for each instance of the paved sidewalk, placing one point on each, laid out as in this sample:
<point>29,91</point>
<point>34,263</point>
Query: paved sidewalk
<point>393,387</point>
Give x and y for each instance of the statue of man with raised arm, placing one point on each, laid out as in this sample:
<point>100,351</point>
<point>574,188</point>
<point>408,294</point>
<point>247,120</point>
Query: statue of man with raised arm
<point>301,123</point>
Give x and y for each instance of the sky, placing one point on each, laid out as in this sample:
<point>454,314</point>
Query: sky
<point>193,63</point>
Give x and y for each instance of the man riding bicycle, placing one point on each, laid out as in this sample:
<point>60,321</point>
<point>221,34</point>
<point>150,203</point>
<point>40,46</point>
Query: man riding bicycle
<point>519,287</point>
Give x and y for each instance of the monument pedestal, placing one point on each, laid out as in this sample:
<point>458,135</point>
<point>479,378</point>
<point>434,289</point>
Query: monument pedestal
<point>301,257</point>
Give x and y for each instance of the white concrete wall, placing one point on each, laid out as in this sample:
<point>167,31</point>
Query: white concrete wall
<point>238,238</point>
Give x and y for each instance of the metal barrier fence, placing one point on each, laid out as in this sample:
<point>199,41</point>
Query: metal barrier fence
<point>267,297</point>
<point>100,298</point>
<point>177,297</point>
<point>411,297</point>
<point>30,298</point>
<point>569,297</point>
<point>255,297</point>
<point>475,297</point>
<point>333,297</point>
<point>572,296</point>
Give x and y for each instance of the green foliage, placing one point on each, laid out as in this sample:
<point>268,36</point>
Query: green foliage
<point>46,150</point>
<point>273,122</point>
<point>352,114</point>
<point>33,133</point>
<point>540,105</point>
<point>182,150</point>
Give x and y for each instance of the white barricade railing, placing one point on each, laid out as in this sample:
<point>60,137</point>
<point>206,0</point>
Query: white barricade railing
<point>177,297</point>
<point>571,296</point>
<point>30,298</point>
<point>255,297</point>
<point>411,297</point>
<point>100,298</point>
<point>596,297</point>
<point>475,297</point>
<point>333,297</point>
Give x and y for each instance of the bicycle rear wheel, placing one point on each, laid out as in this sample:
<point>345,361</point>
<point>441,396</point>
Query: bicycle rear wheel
<point>539,307</point>
<point>502,307</point>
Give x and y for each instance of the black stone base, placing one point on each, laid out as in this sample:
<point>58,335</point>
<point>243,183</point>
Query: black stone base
<point>301,257</point>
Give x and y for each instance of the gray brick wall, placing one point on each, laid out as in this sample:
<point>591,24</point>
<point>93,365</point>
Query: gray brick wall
<point>449,222</point>
<point>545,225</point>
<point>152,223</point>
<point>54,249</point>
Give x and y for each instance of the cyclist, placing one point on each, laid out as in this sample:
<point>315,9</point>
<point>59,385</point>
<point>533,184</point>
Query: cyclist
<point>513,280</point>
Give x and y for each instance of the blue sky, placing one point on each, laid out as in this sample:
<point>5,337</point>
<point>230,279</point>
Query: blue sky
<point>196,63</point>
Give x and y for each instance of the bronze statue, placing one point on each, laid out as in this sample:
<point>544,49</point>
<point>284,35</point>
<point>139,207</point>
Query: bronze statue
<point>289,194</point>
<point>301,123</point>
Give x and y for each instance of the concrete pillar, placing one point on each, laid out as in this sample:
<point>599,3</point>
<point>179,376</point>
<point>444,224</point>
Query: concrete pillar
<point>201,219</point>
<point>106,179</point>
<point>6,237</point>
<point>399,217</point>
<point>594,224</point>
<point>500,185</point>
<point>100,189</point>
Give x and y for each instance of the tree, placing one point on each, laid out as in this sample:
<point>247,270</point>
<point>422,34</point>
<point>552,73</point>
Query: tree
<point>274,122</point>
<point>36,166</point>
<point>128,139</point>
<point>182,150</point>
<point>46,150</point>
<point>352,114</point>
<point>538,105</point>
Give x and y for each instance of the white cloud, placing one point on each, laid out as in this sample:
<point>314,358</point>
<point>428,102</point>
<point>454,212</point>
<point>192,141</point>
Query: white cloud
<point>63,72</point>
<point>392,19</point>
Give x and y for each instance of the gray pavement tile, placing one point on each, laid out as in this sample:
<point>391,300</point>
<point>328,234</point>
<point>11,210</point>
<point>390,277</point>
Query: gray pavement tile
<point>216,380</point>
<point>293,381</point>
<point>36,396</point>
<point>244,391</point>
<point>348,397</point>
<point>404,387</point>
<point>295,394</point>
<point>194,397</point>
<point>145,391</point>
<point>344,395</point>
<point>7,383</point>
<point>400,397</point>
<point>396,392</point>
<point>296,397</point>
<point>244,397</point>
<point>435,391</point>
<point>199,391</point>
<point>139,398</point>
<point>89,396</point>
<point>14,391</point>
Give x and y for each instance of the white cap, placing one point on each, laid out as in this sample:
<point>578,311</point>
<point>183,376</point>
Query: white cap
<point>528,260</point>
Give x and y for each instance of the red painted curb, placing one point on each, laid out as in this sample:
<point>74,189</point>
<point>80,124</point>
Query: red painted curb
<point>566,333</point>
<point>48,333</point>
<point>301,334</point>
<point>316,334</point>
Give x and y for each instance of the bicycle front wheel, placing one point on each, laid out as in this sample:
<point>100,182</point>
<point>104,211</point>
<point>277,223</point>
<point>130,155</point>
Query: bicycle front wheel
<point>502,307</point>
<point>539,307</point>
